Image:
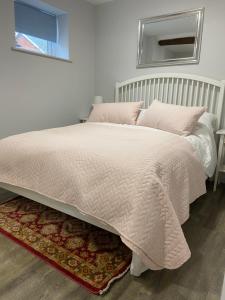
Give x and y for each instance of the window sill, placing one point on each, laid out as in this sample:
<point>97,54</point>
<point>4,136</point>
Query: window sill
<point>40,54</point>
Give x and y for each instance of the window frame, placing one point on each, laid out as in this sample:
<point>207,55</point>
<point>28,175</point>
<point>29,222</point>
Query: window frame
<point>54,11</point>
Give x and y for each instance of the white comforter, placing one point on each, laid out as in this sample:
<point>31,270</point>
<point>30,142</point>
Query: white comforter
<point>204,144</point>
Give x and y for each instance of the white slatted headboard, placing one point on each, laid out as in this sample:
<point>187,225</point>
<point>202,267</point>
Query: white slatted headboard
<point>180,89</point>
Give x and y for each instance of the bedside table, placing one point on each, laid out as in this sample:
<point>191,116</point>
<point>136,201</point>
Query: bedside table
<point>83,119</point>
<point>220,167</point>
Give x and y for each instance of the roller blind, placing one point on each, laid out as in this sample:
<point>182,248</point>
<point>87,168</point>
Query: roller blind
<point>35,22</point>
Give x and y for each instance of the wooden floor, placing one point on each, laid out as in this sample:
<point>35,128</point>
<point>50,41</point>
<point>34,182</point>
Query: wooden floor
<point>25,277</point>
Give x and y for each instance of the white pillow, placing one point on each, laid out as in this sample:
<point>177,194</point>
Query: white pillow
<point>209,120</point>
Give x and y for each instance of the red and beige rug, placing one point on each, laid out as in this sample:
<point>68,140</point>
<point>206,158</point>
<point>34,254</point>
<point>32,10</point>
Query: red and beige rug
<point>89,255</point>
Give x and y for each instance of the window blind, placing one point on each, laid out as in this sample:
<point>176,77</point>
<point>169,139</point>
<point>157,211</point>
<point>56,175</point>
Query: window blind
<point>35,22</point>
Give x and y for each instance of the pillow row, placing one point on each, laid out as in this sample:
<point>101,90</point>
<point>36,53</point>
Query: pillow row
<point>176,119</point>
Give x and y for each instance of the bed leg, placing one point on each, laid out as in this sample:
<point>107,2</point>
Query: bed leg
<point>137,267</point>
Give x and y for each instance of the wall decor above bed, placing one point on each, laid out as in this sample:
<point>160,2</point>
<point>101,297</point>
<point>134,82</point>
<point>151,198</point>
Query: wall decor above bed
<point>170,39</point>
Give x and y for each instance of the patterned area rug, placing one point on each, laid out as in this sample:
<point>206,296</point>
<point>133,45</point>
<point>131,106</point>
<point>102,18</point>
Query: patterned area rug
<point>91,256</point>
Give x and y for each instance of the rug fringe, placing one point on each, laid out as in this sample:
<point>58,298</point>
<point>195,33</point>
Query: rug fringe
<point>112,280</point>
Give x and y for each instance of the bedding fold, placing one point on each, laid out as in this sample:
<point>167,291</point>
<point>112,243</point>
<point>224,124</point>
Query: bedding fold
<point>141,182</point>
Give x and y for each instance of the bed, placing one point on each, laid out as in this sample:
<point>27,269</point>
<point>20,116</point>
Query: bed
<point>187,90</point>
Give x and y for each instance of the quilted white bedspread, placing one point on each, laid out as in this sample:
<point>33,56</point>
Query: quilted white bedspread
<point>141,182</point>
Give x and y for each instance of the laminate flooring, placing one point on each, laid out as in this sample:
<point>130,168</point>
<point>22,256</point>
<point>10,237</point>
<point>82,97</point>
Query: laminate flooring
<point>25,277</point>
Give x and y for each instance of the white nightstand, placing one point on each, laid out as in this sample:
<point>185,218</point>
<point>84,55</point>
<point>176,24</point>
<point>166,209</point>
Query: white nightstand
<point>83,119</point>
<point>220,161</point>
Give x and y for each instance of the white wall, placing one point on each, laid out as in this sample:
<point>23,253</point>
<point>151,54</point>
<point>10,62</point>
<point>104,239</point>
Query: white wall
<point>37,92</point>
<point>116,40</point>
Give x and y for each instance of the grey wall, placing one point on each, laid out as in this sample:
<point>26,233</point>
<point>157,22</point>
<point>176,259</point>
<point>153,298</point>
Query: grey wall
<point>37,92</point>
<point>116,40</point>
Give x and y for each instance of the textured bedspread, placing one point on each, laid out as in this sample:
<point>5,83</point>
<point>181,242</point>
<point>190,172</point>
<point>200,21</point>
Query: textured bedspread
<point>139,181</point>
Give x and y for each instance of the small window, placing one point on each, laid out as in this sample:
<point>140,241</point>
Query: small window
<point>39,30</point>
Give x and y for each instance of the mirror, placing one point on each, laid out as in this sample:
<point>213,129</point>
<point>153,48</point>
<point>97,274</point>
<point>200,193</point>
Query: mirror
<point>170,39</point>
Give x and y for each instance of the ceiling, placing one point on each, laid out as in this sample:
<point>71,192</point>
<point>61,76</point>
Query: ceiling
<point>97,2</point>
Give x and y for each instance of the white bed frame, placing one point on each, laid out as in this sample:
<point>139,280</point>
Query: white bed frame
<point>174,88</point>
<point>182,89</point>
